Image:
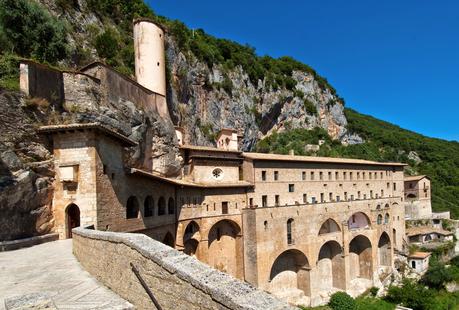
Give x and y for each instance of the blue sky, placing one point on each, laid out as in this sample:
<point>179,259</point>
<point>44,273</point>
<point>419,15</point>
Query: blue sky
<point>395,60</point>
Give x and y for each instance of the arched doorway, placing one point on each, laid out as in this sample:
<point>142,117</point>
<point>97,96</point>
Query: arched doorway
<point>329,226</point>
<point>358,220</point>
<point>191,239</point>
<point>384,249</point>
<point>330,266</point>
<point>360,258</point>
<point>225,248</point>
<point>72,218</point>
<point>169,240</point>
<point>289,274</point>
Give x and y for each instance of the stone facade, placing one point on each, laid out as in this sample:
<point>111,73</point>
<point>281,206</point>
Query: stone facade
<point>418,197</point>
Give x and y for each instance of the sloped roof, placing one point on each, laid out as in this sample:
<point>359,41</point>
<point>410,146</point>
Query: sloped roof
<point>423,230</point>
<point>82,126</point>
<point>206,148</point>
<point>415,178</point>
<point>420,255</point>
<point>278,157</point>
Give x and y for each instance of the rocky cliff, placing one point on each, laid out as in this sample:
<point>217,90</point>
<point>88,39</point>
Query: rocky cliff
<point>202,97</point>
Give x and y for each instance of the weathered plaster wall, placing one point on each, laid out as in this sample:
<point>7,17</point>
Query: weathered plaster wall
<point>170,275</point>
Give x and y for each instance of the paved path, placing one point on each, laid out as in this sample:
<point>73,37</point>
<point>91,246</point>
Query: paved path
<point>51,272</point>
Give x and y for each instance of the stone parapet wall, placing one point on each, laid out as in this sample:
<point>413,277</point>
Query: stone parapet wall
<point>178,281</point>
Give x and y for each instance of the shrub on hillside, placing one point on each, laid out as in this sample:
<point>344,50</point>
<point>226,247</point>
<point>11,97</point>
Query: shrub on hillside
<point>106,45</point>
<point>342,301</point>
<point>31,31</point>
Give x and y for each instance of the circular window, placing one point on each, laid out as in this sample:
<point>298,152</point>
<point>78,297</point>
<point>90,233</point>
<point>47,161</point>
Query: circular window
<point>217,173</point>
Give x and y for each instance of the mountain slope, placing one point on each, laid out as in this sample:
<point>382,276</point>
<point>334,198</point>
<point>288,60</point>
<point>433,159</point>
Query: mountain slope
<point>277,104</point>
<point>439,159</point>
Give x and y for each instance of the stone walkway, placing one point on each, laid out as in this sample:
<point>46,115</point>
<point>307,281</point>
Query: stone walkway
<point>49,275</point>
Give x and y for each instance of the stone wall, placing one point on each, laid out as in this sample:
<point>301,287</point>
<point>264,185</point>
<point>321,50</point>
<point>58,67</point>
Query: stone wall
<point>178,281</point>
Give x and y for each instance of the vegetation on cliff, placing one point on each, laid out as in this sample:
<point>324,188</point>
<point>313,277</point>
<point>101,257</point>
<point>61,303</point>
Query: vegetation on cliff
<point>439,159</point>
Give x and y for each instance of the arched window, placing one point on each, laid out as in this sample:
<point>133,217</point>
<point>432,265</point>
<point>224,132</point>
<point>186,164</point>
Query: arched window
<point>289,231</point>
<point>132,208</point>
<point>171,206</point>
<point>161,206</point>
<point>148,207</point>
<point>386,218</point>
<point>379,220</point>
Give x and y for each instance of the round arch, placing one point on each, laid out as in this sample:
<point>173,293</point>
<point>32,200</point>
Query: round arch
<point>379,219</point>
<point>329,226</point>
<point>171,206</point>
<point>384,250</point>
<point>224,248</point>
<point>149,206</point>
<point>169,240</point>
<point>358,220</point>
<point>360,257</point>
<point>191,238</point>
<point>290,273</point>
<point>161,206</point>
<point>132,208</point>
<point>330,266</point>
<point>72,218</point>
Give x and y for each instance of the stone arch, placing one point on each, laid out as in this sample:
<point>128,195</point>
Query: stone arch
<point>379,219</point>
<point>330,267</point>
<point>289,274</point>
<point>169,240</point>
<point>329,226</point>
<point>161,206</point>
<point>191,238</point>
<point>360,257</point>
<point>72,218</point>
<point>132,208</point>
<point>387,205</point>
<point>225,248</point>
<point>386,218</point>
<point>149,206</point>
<point>171,206</point>
<point>378,207</point>
<point>384,249</point>
<point>358,220</point>
<point>411,196</point>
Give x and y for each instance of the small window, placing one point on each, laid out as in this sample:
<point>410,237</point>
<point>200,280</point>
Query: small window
<point>132,208</point>
<point>395,186</point>
<point>338,198</point>
<point>251,202</point>
<point>264,201</point>
<point>291,188</point>
<point>313,200</point>
<point>379,219</point>
<point>330,196</point>
<point>351,177</point>
<point>265,224</point>
<point>329,176</point>
<point>312,175</point>
<point>413,264</point>
<point>358,175</point>
<point>303,175</point>
<point>386,218</point>
<point>290,231</point>
<point>345,195</point>
<point>263,175</point>
<point>363,175</point>
<point>225,207</point>
<point>321,197</point>
<point>276,200</point>
<point>305,198</point>
<point>217,173</point>
<point>276,175</point>
<point>336,175</point>
<point>321,175</point>
<point>105,169</point>
<point>344,175</point>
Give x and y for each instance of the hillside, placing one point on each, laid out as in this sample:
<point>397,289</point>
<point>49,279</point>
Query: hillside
<point>439,159</point>
<point>277,104</point>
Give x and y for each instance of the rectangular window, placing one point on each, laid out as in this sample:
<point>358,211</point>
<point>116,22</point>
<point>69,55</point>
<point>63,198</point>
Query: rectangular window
<point>330,196</point>
<point>350,176</point>
<point>388,185</point>
<point>263,175</point>
<point>336,175</point>
<point>352,197</point>
<point>358,195</point>
<point>312,175</point>
<point>371,194</point>
<point>291,188</point>
<point>329,176</point>
<point>276,175</point>
<point>305,198</point>
<point>338,198</point>
<point>382,193</point>
<point>369,175</point>
<point>344,175</point>
<point>321,175</point>
<point>363,175</point>
<point>251,202</point>
<point>358,175</point>
<point>276,200</point>
<point>395,186</point>
<point>264,201</point>
<point>321,197</point>
<point>382,175</point>
<point>303,175</point>
<point>225,207</point>
<point>345,195</point>
<point>364,196</point>
<point>313,200</point>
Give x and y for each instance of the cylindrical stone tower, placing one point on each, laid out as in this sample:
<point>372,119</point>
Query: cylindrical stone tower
<point>150,61</point>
